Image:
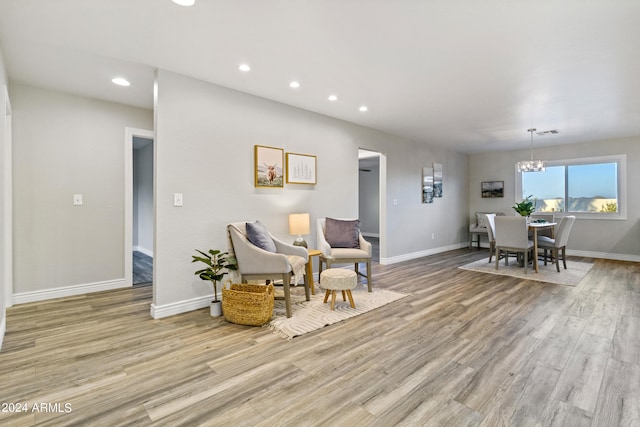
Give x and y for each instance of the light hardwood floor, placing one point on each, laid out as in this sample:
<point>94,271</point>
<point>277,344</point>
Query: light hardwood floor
<point>466,349</point>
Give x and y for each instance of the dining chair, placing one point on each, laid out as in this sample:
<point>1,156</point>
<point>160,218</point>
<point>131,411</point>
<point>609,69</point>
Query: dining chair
<point>511,236</point>
<point>548,217</point>
<point>490,221</point>
<point>554,245</point>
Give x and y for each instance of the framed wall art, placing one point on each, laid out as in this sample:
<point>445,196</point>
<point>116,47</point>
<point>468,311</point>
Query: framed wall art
<point>491,189</point>
<point>268,166</point>
<point>427,185</point>
<point>437,180</point>
<point>301,169</point>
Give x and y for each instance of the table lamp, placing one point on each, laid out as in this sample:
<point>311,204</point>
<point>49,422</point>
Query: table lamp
<point>299,224</point>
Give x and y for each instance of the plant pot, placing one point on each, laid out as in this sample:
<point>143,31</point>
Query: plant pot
<point>215,309</point>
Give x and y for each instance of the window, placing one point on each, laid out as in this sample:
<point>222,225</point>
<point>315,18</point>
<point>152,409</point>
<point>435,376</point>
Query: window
<point>589,188</point>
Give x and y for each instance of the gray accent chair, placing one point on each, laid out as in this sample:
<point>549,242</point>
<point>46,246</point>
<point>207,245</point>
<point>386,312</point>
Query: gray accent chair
<point>331,256</point>
<point>490,222</point>
<point>555,245</point>
<point>478,228</point>
<point>255,263</point>
<point>512,236</point>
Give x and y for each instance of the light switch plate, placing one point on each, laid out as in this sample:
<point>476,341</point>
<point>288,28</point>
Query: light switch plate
<point>77,200</point>
<point>177,199</point>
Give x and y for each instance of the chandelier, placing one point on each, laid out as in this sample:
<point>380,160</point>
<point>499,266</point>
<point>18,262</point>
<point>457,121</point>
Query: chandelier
<point>532,165</point>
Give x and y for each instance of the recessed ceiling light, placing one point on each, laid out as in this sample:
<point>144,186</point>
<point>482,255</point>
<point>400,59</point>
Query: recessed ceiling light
<point>294,84</point>
<point>363,108</point>
<point>184,2</point>
<point>333,98</point>
<point>121,81</point>
<point>244,68</point>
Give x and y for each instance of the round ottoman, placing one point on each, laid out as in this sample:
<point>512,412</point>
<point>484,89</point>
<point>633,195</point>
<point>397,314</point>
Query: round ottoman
<point>338,279</point>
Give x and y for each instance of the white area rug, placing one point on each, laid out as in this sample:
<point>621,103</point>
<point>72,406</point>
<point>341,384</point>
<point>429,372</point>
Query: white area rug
<point>311,315</point>
<point>547,273</point>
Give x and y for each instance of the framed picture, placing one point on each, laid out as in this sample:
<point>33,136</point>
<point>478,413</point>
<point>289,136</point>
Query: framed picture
<point>268,166</point>
<point>301,169</point>
<point>437,180</point>
<point>427,185</point>
<point>492,189</point>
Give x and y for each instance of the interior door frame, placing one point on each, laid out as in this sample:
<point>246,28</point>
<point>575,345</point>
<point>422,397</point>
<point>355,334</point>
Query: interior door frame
<point>7,206</point>
<point>130,133</point>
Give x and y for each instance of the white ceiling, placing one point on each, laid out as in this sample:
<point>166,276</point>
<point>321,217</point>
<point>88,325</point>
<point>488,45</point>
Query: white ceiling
<point>469,74</point>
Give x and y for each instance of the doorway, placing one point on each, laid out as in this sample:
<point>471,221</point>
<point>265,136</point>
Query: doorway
<point>139,176</point>
<point>370,189</point>
<point>142,227</point>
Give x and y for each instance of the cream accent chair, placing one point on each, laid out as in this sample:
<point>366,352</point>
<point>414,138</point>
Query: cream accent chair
<point>331,256</point>
<point>255,263</point>
<point>478,228</point>
<point>512,236</point>
<point>549,217</point>
<point>562,233</point>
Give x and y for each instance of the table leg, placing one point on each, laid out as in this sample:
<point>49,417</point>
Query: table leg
<point>535,248</point>
<point>309,268</point>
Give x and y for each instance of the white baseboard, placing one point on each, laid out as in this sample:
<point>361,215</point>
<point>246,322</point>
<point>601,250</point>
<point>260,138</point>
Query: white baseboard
<point>420,254</point>
<point>166,310</point>
<point>570,252</point>
<point>67,291</point>
<point>604,255</point>
<point>3,328</point>
<point>147,252</point>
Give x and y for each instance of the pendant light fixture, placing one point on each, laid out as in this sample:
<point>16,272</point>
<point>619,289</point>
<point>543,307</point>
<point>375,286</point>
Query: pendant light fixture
<point>532,165</point>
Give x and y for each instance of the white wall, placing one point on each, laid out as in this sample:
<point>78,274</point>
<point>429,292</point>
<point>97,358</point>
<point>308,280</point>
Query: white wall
<point>617,239</point>
<point>65,145</point>
<point>143,199</point>
<point>205,136</point>
<point>5,203</point>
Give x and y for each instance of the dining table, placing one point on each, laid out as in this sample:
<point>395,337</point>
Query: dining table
<point>535,226</point>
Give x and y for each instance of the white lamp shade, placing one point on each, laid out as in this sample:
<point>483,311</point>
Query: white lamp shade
<point>299,223</point>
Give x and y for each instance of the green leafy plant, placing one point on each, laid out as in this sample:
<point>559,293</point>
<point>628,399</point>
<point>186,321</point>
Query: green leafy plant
<point>218,264</point>
<point>609,207</point>
<point>525,207</point>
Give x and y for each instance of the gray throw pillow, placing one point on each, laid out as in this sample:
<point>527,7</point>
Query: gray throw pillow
<point>258,235</point>
<point>480,221</point>
<point>341,233</point>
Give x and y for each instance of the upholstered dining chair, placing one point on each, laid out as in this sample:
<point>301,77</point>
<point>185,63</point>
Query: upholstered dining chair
<point>512,236</point>
<point>490,222</point>
<point>261,256</point>
<point>341,242</point>
<point>548,217</point>
<point>558,243</point>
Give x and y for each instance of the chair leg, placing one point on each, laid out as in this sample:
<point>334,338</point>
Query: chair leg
<point>526,260</point>
<point>555,254</point>
<point>564,257</point>
<point>497,256</point>
<point>286,278</point>
<point>369,284</point>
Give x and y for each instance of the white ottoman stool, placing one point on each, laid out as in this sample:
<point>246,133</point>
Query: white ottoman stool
<point>338,279</point>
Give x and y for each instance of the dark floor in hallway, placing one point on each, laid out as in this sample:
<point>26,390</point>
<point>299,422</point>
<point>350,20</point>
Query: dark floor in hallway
<point>142,268</point>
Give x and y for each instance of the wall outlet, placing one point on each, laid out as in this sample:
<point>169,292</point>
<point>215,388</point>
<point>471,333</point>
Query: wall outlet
<point>177,199</point>
<point>433,236</point>
<point>77,200</point>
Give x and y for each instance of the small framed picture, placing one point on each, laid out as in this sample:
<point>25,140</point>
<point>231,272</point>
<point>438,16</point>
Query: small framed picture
<point>492,189</point>
<point>301,169</point>
<point>268,166</point>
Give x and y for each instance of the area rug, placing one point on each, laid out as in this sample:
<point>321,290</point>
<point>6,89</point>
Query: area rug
<point>546,273</point>
<point>308,316</point>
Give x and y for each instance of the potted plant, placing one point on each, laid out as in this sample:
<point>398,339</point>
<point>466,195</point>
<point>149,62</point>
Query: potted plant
<point>218,264</point>
<point>525,207</point>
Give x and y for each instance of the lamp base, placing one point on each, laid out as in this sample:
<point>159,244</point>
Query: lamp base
<point>300,242</point>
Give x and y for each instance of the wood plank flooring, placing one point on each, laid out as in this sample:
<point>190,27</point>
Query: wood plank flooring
<point>465,349</point>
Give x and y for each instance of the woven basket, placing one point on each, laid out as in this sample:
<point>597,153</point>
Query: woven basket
<point>247,304</point>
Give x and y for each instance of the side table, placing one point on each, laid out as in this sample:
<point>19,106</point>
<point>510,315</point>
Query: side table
<point>312,253</point>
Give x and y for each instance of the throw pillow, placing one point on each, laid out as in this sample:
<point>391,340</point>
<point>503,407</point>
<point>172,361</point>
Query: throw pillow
<point>258,235</point>
<point>480,220</point>
<point>342,233</point>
